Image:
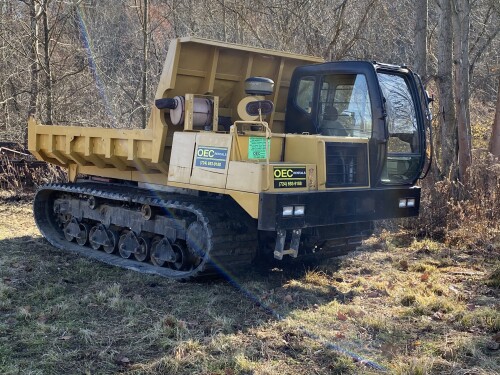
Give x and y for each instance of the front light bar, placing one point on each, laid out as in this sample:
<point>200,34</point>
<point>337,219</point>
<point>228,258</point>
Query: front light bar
<point>298,210</point>
<point>406,202</point>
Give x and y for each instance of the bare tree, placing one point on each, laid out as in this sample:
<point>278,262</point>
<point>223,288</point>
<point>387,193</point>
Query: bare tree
<point>144,16</point>
<point>461,26</point>
<point>486,29</point>
<point>47,66</point>
<point>93,62</point>
<point>34,15</point>
<point>447,116</point>
<point>421,16</point>
<point>494,146</point>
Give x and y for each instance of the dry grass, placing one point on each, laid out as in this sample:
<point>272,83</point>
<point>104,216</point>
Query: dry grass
<point>410,306</point>
<point>20,175</point>
<point>465,215</point>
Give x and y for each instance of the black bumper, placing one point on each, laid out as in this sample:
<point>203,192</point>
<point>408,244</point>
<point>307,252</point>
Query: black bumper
<point>335,207</point>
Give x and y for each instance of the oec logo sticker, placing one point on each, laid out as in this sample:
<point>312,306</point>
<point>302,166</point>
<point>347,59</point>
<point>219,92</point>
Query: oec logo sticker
<point>289,177</point>
<point>211,157</point>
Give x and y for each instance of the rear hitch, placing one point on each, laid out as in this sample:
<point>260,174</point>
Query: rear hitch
<point>279,249</point>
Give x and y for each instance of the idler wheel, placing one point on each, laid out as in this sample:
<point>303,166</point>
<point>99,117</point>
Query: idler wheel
<point>197,241</point>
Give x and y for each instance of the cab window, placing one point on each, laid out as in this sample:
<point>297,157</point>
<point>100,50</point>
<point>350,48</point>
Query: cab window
<point>305,94</point>
<point>345,108</point>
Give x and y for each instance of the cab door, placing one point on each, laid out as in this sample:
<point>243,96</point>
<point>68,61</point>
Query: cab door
<point>341,100</point>
<point>405,126</point>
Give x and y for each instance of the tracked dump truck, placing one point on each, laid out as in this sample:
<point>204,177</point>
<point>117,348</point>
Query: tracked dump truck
<point>249,153</point>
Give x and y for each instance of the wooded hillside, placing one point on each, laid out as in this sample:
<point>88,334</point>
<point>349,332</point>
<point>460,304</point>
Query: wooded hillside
<point>98,62</point>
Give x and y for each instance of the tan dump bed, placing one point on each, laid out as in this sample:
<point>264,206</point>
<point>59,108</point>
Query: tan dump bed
<point>193,65</point>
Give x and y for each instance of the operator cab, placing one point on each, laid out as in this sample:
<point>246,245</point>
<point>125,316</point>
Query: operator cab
<point>385,104</point>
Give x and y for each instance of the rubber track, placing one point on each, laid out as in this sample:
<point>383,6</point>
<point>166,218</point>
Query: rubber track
<point>232,235</point>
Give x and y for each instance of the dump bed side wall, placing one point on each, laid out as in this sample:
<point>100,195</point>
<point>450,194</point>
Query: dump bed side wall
<point>122,149</point>
<point>194,66</point>
<point>200,66</point>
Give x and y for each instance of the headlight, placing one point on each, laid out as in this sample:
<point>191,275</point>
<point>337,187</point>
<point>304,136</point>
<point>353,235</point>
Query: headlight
<point>287,210</point>
<point>410,202</point>
<point>298,210</point>
<point>402,203</point>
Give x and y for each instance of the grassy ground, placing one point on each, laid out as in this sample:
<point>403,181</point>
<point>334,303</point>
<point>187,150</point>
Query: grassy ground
<point>408,306</point>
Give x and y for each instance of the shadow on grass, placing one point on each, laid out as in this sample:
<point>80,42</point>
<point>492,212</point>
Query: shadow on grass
<point>62,313</point>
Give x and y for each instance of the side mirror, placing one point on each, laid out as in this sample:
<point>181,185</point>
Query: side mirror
<point>260,107</point>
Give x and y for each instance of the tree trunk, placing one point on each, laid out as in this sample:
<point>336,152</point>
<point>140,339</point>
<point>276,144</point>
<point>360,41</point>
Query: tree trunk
<point>145,41</point>
<point>421,13</point>
<point>447,116</point>
<point>494,146</point>
<point>461,21</point>
<point>47,66</point>
<point>34,10</point>
<point>224,26</point>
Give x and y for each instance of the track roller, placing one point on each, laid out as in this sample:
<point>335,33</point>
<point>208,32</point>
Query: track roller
<point>183,258</point>
<point>83,236</point>
<point>162,252</point>
<point>142,251</point>
<point>130,244</point>
<point>100,236</point>
<point>73,230</point>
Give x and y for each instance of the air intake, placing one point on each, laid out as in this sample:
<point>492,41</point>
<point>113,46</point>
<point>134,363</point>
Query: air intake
<point>346,164</point>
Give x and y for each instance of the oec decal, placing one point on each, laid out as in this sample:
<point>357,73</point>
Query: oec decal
<point>211,157</point>
<point>289,177</point>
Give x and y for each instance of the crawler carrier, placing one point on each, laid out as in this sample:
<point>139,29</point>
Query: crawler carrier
<point>248,153</point>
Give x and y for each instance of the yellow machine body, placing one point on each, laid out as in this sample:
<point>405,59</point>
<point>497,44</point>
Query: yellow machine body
<point>249,160</point>
<point>221,176</point>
